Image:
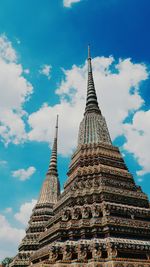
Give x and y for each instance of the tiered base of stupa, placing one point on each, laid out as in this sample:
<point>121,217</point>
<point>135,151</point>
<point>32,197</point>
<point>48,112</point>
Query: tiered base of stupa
<point>106,263</point>
<point>109,252</point>
<point>102,219</point>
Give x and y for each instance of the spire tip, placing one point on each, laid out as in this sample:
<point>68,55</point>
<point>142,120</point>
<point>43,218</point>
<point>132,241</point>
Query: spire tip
<point>91,101</point>
<point>56,135</point>
<point>53,161</point>
<point>57,121</point>
<point>89,53</point>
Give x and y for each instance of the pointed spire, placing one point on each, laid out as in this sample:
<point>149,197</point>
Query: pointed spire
<point>93,128</point>
<point>91,100</point>
<point>51,186</point>
<point>53,162</point>
<point>89,52</point>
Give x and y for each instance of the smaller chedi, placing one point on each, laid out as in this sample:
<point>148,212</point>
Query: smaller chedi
<point>42,212</point>
<point>102,219</point>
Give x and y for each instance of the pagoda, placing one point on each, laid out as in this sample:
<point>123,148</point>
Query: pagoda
<point>102,219</point>
<point>42,212</point>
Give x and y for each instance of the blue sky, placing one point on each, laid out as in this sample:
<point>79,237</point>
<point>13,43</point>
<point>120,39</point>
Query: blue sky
<point>43,50</point>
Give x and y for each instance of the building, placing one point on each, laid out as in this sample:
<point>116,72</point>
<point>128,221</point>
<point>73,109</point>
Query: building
<point>42,212</point>
<point>102,219</point>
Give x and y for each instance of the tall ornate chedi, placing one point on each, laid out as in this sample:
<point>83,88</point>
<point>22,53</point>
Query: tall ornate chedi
<point>102,219</point>
<point>42,212</point>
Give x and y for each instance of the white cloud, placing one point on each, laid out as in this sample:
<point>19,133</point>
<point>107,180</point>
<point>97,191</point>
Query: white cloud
<point>138,140</point>
<point>68,3</point>
<point>10,237</point>
<point>14,91</point>
<point>7,53</point>
<point>25,212</point>
<point>46,70</point>
<point>117,85</point>
<point>68,125</point>
<point>23,174</point>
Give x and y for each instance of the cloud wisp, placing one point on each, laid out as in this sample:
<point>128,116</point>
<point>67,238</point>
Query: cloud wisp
<point>23,174</point>
<point>46,71</point>
<point>8,210</point>
<point>69,3</point>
